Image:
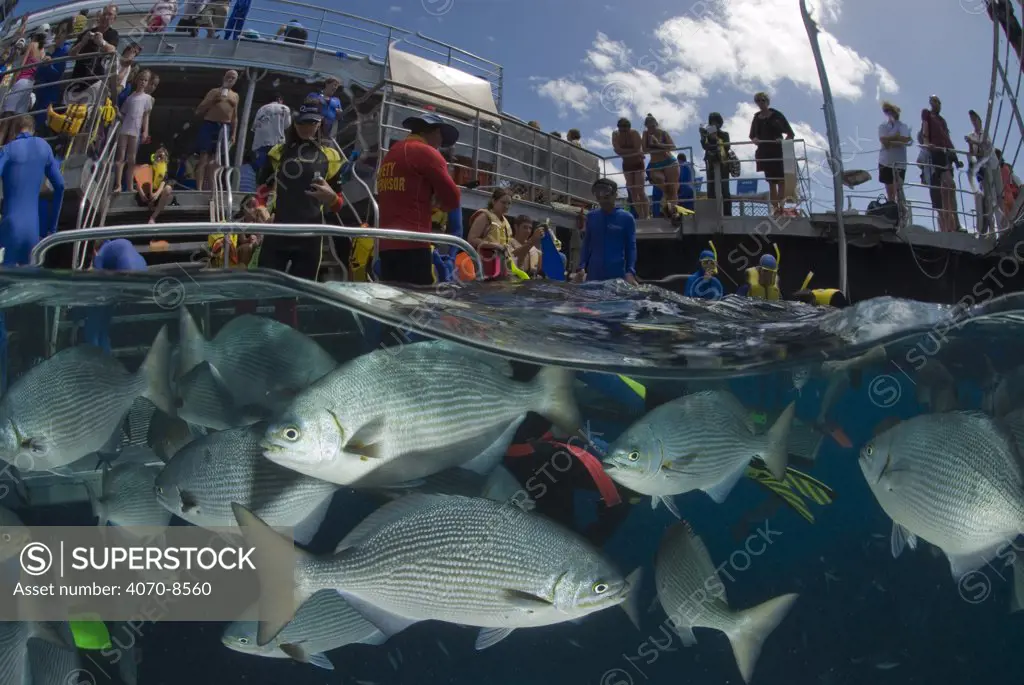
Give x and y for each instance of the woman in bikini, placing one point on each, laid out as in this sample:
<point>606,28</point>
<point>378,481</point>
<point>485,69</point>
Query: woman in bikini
<point>664,167</point>
<point>629,146</point>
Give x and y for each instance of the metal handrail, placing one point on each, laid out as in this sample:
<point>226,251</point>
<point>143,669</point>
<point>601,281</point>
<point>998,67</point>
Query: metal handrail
<point>299,230</point>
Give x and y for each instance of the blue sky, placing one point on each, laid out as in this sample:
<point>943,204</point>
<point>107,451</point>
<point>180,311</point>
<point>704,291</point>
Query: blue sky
<point>682,60</point>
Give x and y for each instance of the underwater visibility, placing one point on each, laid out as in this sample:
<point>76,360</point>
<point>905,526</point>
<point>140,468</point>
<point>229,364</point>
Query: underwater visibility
<point>527,482</point>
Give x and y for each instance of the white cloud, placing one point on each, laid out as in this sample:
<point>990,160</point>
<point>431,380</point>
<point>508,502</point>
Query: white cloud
<point>395,8</point>
<point>756,44</point>
<point>601,141</point>
<point>567,95</point>
<point>738,127</point>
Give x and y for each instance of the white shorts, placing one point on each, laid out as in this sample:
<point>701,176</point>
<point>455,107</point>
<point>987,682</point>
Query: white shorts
<point>19,98</point>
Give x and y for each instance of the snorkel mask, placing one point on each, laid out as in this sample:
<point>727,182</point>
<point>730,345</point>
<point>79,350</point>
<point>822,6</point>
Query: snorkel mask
<point>709,261</point>
<point>770,265</point>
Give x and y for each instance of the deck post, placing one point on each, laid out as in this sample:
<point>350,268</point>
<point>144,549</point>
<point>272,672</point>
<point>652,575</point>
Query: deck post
<point>835,155</point>
<point>252,76</point>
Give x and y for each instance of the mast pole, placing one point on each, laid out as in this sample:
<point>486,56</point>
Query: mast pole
<point>835,156</point>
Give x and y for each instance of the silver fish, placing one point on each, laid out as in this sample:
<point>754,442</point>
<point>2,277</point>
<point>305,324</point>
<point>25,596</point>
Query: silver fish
<point>263,362</point>
<point>693,596</point>
<point>71,404</point>
<point>202,480</point>
<point>954,480</point>
<point>13,534</point>
<point>53,664</point>
<point>463,560</point>
<point>1007,395</point>
<point>393,416</point>
<point>703,441</point>
<point>126,497</point>
<point>935,387</point>
<point>14,651</point>
<point>500,485</point>
<point>206,400</point>
<point>324,622</point>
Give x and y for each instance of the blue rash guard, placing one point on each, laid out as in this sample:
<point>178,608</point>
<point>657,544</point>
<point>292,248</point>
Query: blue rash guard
<point>697,286</point>
<point>115,255</point>
<point>24,162</point>
<point>47,90</point>
<point>609,245</point>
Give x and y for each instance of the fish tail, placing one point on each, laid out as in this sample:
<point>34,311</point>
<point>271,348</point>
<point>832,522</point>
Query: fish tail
<point>156,371</point>
<point>753,627</point>
<point>775,451</point>
<point>277,561</point>
<point>558,400</point>
<point>191,343</point>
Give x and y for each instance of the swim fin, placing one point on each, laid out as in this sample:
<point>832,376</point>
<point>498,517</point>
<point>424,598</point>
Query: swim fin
<point>793,488</point>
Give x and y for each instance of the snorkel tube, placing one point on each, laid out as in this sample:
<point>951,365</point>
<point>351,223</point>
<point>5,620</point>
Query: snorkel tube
<point>807,281</point>
<point>714,269</point>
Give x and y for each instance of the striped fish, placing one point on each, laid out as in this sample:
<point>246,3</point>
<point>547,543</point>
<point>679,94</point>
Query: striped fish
<point>693,596</point>
<point>56,664</point>
<point>263,362</point>
<point>71,405</point>
<point>324,622</point>
<point>15,659</point>
<point>127,498</point>
<point>397,415</point>
<point>703,441</point>
<point>463,560</point>
<point>202,480</point>
<point>954,480</point>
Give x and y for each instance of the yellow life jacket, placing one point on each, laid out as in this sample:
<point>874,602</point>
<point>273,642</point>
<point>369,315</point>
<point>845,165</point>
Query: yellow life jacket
<point>823,296</point>
<point>757,290</point>
<point>359,259</point>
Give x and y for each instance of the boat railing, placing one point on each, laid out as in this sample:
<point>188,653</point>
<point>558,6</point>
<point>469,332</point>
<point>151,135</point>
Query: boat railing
<point>978,208</point>
<point>328,31</point>
<point>230,229</point>
<point>10,77</point>
<point>494,150</point>
<point>97,190</point>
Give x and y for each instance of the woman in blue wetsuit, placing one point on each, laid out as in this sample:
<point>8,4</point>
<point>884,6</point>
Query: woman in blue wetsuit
<point>113,255</point>
<point>609,242</point>
<point>24,163</point>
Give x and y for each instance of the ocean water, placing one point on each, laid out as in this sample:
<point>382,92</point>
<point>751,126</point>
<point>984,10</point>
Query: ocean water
<point>862,616</point>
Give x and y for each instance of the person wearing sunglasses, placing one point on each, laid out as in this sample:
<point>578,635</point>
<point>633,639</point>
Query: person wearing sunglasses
<point>703,283</point>
<point>762,280</point>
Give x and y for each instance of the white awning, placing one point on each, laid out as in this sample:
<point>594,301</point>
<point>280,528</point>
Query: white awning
<point>469,93</point>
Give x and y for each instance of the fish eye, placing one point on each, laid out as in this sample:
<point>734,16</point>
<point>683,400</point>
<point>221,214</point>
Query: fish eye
<point>869,450</point>
<point>633,456</point>
<point>291,434</point>
<point>6,537</point>
<point>243,640</point>
<point>600,588</point>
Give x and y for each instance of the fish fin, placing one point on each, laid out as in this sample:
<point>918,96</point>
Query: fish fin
<point>901,538</point>
<point>305,531</point>
<point>99,509</point>
<point>488,637</point>
<point>299,654</point>
<point>156,370</point>
<point>277,560</point>
<point>249,414</point>
<point>387,624</point>
<point>1017,598</point>
<point>776,450</point>
<point>753,626</point>
<point>485,462</point>
<point>670,504</point>
<point>679,464</point>
<point>704,566</point>
<point>631,605</point>
<point>526,600</point>
<point>720,490</point>
<point>961,564</point>
<point>367,441</point>
<point>376,638</point>
<point>48,632</point>
<point>685,634</point>
<point>502,486</point>
<point>558,401</point>
<point>406,485</point>
<point>191,343</point>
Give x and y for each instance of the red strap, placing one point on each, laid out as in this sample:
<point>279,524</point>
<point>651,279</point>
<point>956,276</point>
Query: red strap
<point>523,450</point>
<point>605,485</point>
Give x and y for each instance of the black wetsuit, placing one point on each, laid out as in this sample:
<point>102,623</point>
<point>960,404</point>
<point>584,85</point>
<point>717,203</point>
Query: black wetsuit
<point>292,167</point>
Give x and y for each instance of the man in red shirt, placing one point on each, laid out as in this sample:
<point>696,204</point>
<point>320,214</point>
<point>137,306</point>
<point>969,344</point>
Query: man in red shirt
<point>411,175</point>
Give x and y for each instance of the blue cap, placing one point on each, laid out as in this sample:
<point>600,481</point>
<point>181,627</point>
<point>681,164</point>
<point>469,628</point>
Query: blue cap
<point>416,123</point>
<point>707,254</point>
<point>311,112</point>
<point>768,262</point>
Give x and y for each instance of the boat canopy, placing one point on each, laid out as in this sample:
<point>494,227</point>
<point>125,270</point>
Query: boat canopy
<point>431,78</point>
